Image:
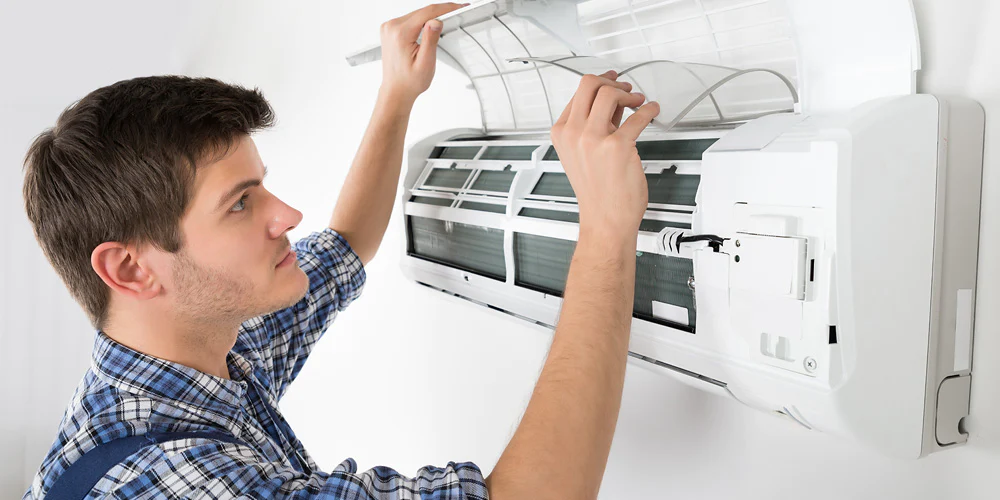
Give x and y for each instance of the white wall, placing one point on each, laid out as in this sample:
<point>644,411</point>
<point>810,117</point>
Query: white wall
<point>52,54</point>
<point>420,378</point>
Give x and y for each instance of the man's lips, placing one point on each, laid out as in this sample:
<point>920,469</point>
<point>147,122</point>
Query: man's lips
<point>288,258</point>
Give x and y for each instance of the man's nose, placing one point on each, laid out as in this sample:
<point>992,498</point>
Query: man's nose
<point>285,218</point>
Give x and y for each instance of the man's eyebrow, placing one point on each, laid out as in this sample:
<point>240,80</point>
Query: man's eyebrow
<point>240,187</point>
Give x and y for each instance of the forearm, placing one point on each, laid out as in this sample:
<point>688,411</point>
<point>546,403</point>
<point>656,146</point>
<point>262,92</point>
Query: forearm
<point>561,446</point>
<point>365,202</point>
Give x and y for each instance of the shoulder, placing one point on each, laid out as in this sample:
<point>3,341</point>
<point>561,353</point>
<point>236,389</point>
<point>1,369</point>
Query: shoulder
<point>97,413</point>
<point>171,469</point>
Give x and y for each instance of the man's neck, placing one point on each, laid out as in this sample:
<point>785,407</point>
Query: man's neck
<point>202,347</point>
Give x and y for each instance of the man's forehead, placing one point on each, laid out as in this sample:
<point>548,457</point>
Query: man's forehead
<point>241,163</point>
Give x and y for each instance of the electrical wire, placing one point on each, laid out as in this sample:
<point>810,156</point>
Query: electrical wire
<point>672,239</point>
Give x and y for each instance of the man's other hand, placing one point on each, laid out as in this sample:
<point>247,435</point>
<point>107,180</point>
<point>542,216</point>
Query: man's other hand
<point>408,66</point>
<point>600,157</point>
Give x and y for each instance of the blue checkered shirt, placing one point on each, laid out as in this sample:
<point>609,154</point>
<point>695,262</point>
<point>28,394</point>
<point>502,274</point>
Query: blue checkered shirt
<point>127,393</point>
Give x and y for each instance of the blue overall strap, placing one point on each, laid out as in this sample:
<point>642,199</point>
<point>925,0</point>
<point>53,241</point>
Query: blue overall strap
<point>81,476</point>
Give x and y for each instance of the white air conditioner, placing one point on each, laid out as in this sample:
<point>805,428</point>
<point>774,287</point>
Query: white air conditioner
<point>811,240</point>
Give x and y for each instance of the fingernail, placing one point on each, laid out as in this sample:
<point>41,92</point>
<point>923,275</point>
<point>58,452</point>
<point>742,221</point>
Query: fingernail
<point>434,25</point>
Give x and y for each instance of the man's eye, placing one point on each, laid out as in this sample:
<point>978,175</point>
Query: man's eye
<point>241,204</point>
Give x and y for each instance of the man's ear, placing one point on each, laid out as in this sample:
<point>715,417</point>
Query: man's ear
<point>119,267</point>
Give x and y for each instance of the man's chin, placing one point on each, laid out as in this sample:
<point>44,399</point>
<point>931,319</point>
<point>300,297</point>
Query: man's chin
<point>284,294</point>
<point>293,292</point>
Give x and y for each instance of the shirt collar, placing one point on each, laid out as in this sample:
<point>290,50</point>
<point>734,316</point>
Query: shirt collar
<point>210,397</point>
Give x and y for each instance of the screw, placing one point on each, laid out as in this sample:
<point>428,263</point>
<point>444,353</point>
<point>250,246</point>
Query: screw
<point>691,282</point>
<point>810,364</point>
<point>737,243</point>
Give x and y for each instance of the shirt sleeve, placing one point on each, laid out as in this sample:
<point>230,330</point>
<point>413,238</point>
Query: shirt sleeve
<point>282,340</point>
<point>222,470</point>
<point>455,481</point>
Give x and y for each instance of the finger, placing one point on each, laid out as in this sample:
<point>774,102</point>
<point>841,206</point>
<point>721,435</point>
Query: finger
<point>427,53</point>
<point>583,100</point>
<point>609,100</point>
<point>616,119</point>
<point>639,120</point>
<point>569,106</point>
<point>564,116</point>
<point>607,76</point>
<point>413,22</point>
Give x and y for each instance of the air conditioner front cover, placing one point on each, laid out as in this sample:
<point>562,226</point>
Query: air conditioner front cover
<point>706,60</point>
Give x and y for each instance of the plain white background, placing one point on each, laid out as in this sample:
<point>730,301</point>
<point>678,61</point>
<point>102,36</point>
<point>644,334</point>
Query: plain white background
<point>407,377</point>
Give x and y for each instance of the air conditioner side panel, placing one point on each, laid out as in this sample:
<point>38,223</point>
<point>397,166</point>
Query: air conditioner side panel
<point>886,201</point>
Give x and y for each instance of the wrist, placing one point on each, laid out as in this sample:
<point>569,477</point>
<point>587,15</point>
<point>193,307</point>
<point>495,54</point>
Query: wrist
<point>396,97</point>
<point>607,239</point>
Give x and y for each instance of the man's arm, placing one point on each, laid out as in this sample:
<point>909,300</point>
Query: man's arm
<point>560,448</point>
<point>362,211</point>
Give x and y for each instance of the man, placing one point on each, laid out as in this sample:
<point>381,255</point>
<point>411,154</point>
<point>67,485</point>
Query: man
<point>148,198</point>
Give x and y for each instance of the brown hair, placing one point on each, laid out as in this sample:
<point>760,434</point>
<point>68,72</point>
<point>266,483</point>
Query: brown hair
<point>119,165</point>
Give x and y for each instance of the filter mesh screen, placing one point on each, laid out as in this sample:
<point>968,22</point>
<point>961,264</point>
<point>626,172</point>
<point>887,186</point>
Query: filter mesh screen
<point>663,279</point>
<point>542,264</point>
<point>455,152</point>
<point>667,187</point>
<point>671,188</point>
<point>553,184</point>
<point>470,248</point>
<point>690,149</point>
<point>672,150</point>
<point>447,177</point>
<point>493,180</point>
<point>508,153</point>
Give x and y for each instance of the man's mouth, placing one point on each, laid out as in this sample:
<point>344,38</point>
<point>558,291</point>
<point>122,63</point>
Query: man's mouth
<point>288,258</point>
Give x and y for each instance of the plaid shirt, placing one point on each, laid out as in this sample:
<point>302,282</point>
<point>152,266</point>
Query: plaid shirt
<point>127,393</point>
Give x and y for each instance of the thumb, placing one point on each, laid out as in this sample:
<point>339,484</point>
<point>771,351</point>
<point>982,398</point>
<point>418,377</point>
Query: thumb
<point>429,43</point>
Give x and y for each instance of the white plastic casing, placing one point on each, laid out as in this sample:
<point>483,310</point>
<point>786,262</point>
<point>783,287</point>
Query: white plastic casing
<point>843,295</point>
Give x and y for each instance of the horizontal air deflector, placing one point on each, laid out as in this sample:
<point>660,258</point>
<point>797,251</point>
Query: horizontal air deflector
<point>428,200</point>
<point>483,207</point>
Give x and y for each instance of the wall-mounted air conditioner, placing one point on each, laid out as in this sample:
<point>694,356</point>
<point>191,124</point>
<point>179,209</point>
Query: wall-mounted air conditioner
<point>811,241</point>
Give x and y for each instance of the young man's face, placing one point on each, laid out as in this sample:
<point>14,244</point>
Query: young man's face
<point>235,262</point>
